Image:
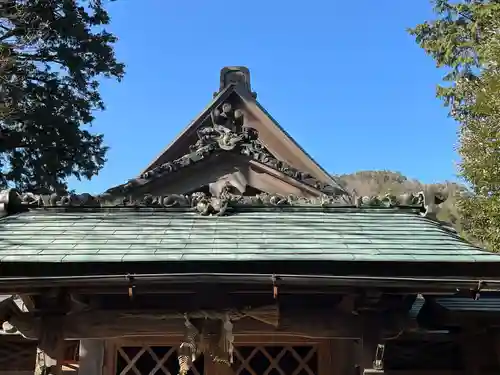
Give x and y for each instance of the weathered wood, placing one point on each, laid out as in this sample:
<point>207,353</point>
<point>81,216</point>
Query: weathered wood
<point>471,349</point>
<point>326,364</point>
<point>91,357</point>
<point>7,305</point>
<point>342,356</point>
<point>347,303</point>
<point>370,343</point>
<point>106,324</point>
<point>29,304</point>
<point>122,327</point>
<point>495,340</point>
<point>268,179</point>
<point>127,327</point>
<point>51,345</point>
<point>271,135</point>
<point>109,363</point>
<point>268,339</point>
<point>426,372</point>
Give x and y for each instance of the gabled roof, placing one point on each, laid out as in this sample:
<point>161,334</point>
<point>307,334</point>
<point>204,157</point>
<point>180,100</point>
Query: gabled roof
<point>235,81</point>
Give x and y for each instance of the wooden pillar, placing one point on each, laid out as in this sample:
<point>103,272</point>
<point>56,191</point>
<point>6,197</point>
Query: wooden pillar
<point>471,342</point>
<point>496,344</point>
<point>91,357</point>
<point>325,359</point>
<point>367,346</point>
<point>336,357</point>
<point>50,351</point>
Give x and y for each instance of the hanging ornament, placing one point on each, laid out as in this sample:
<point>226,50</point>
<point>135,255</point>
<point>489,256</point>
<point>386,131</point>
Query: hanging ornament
<point>188,349</point>
<point>229,338</point>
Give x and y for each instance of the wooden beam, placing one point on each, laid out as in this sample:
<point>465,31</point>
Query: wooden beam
<point>269,339</point>
<point>112,325</point>
<point>102,324</point>
<point>428,372</point>
<point>28,302</point>
<point>309,322</point>
<point>348,303</point>
<point>371,346</point>
<point>273,173</point>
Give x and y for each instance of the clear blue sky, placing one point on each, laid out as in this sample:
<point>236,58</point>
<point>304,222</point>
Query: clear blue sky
<point>343,78</point>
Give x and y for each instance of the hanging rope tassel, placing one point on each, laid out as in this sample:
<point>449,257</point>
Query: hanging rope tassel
<point>229,338</point>
<point>183,364</point>
<point>188,349</point>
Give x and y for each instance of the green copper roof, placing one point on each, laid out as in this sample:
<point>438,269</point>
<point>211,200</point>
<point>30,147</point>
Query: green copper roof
<point>44,235</point>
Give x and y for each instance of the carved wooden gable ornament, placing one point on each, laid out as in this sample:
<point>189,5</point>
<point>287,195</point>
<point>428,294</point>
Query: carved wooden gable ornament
<point>235,124</point>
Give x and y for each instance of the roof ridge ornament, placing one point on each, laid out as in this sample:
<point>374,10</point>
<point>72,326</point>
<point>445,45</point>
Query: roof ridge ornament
<point>10,202</point>
<point>206,204</point>
<point>237,76</point>
<point>431,201</point>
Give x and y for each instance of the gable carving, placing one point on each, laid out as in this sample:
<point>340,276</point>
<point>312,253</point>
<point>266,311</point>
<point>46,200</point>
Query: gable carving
<point>225,131</point>
<point>237,180</point>
<point>235,89</point>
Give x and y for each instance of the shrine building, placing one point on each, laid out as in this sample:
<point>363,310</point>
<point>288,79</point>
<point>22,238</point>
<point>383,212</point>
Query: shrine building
<point>235,253</point>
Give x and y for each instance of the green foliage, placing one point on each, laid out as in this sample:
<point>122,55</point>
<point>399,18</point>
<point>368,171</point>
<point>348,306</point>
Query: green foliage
<point>465,39</point>
<point>52,54</point>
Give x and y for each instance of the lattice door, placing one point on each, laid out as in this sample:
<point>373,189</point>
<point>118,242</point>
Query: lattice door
<point>248,360</point>
<point>152,360</point>
<point>17,355</point>
<point>276,360</point>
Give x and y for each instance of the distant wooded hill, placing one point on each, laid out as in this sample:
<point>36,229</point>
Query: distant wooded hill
<point>383,182</point>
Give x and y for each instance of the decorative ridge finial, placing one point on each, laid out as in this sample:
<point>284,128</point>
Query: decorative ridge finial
<point>432,201</point>
<point>235,75</point>
<point>10,202</point>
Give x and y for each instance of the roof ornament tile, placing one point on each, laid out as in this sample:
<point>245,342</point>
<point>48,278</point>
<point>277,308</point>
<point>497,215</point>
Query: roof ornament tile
<point>226,202</point>
<point>431,201</point>
<point>235,75</point>
<point>9,202</point>
<point>225,132</point>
